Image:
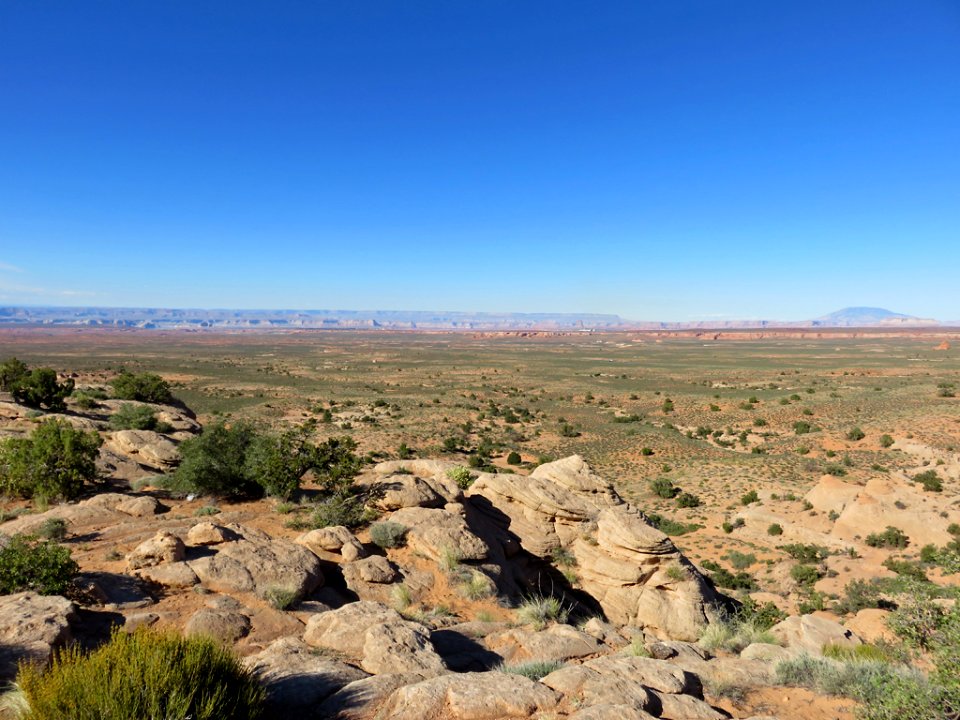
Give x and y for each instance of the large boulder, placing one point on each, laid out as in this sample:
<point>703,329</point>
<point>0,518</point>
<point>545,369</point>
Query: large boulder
<point>164,547</point>
<point>632,569</point>
<point>257,563</point>
<point>558,642</point>
<point>437,532</point>
<point>548,508</point>
<point>297,678</point>
<point>377,637</point>
<point>225,626</point>
<point>342,630</point>
<point>640,578</point>
<point>31,627</point>
<point>358,699</point>
<point>328,542</point>
<point>809,633</point>
<point>469,696</point>
<point>145,447</point>
<point>403,647</point>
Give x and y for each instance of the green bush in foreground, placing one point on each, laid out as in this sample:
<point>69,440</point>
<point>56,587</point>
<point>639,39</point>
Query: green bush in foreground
<point>39,566</point>
<point>146,674</point>
<point>54,462</point>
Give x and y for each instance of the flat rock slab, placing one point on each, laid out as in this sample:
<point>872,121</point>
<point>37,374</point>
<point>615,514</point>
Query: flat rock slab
<point>469,696</point>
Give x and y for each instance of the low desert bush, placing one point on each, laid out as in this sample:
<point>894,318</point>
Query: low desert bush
<point>137,417</point>
<point>540,610</point>
<point>734,634</point>
<point>388,534</point>
<point>281,597</point>
<point>53,529</point>
<point>461,476</point>
<point>144,674</point>
<point>143,387</point>
<point>890,538</point>
<point>477,586</point>
<point>533,670</point>
<point>40,566</point>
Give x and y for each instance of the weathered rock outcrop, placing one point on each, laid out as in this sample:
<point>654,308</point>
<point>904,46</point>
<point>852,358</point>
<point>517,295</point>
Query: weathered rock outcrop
<point>255,562</point>
<point>469,696</point>
<point>436,532</point>
<point>297,678</point>
<point>31,627</point>
<point>145,447</point>
<point>377,637</point>
<point>632,569</point>
<point>809,633</point>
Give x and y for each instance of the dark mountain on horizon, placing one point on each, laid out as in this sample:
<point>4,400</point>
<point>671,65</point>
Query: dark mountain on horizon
<point>227,319</point>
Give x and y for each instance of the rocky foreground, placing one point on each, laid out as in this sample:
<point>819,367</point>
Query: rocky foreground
<point>345,639</point>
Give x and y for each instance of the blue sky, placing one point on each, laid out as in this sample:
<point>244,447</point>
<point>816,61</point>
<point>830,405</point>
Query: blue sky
<point>660,160</point>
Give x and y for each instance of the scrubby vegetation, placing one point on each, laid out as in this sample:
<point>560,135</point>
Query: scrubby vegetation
<point>53,462</point>
<point>143,387</point>
<point>144,674</point>
<point>41,566</point>
<point>37,388</point>
<point>237,461</point>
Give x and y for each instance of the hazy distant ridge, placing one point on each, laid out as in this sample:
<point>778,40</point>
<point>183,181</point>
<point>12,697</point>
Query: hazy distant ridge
<point>161,318</point>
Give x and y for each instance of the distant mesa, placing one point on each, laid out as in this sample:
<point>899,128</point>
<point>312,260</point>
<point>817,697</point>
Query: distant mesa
<point>426,320</point>
<point>870,317</point>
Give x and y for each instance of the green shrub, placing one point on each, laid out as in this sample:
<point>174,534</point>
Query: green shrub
<point>533,670</point>
<point>890,538</point>
<point>281,597</point>
<point>734,634</point>
<point>461,476</point>
<point>664,487</point>
<point>688,500</point>
<point>53,529</point>
<point>341,508</point>
<point>856,434</point>
<point>477,586</point>
<point>806,553</point>
<point>668,526</point>
<point>54,462</point>
<point>213,462</point>
<point>540,610</point>
<point>775,529</point>
<point>143,387</point>
<point>750,497</point>
<point>277,461</point>
<point>144,674</point>
<point>12,371</point>
<point>805,574</point>
<point>388,534</point>
<point>802,427</point>
<point>133,417</point>
<point>723,578</point>
<point>930,480</point>
<point>36,388</point>
<point>741,561</point>
<point>886,441</point>
<point>514,458</point>
<point>40,566</point>
<point>233,461</point>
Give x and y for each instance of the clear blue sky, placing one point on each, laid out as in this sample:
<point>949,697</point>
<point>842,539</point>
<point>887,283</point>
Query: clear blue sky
<point>660,160</point>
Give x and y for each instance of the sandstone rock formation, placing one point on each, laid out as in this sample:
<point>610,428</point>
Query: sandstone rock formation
<point>632,569</point>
